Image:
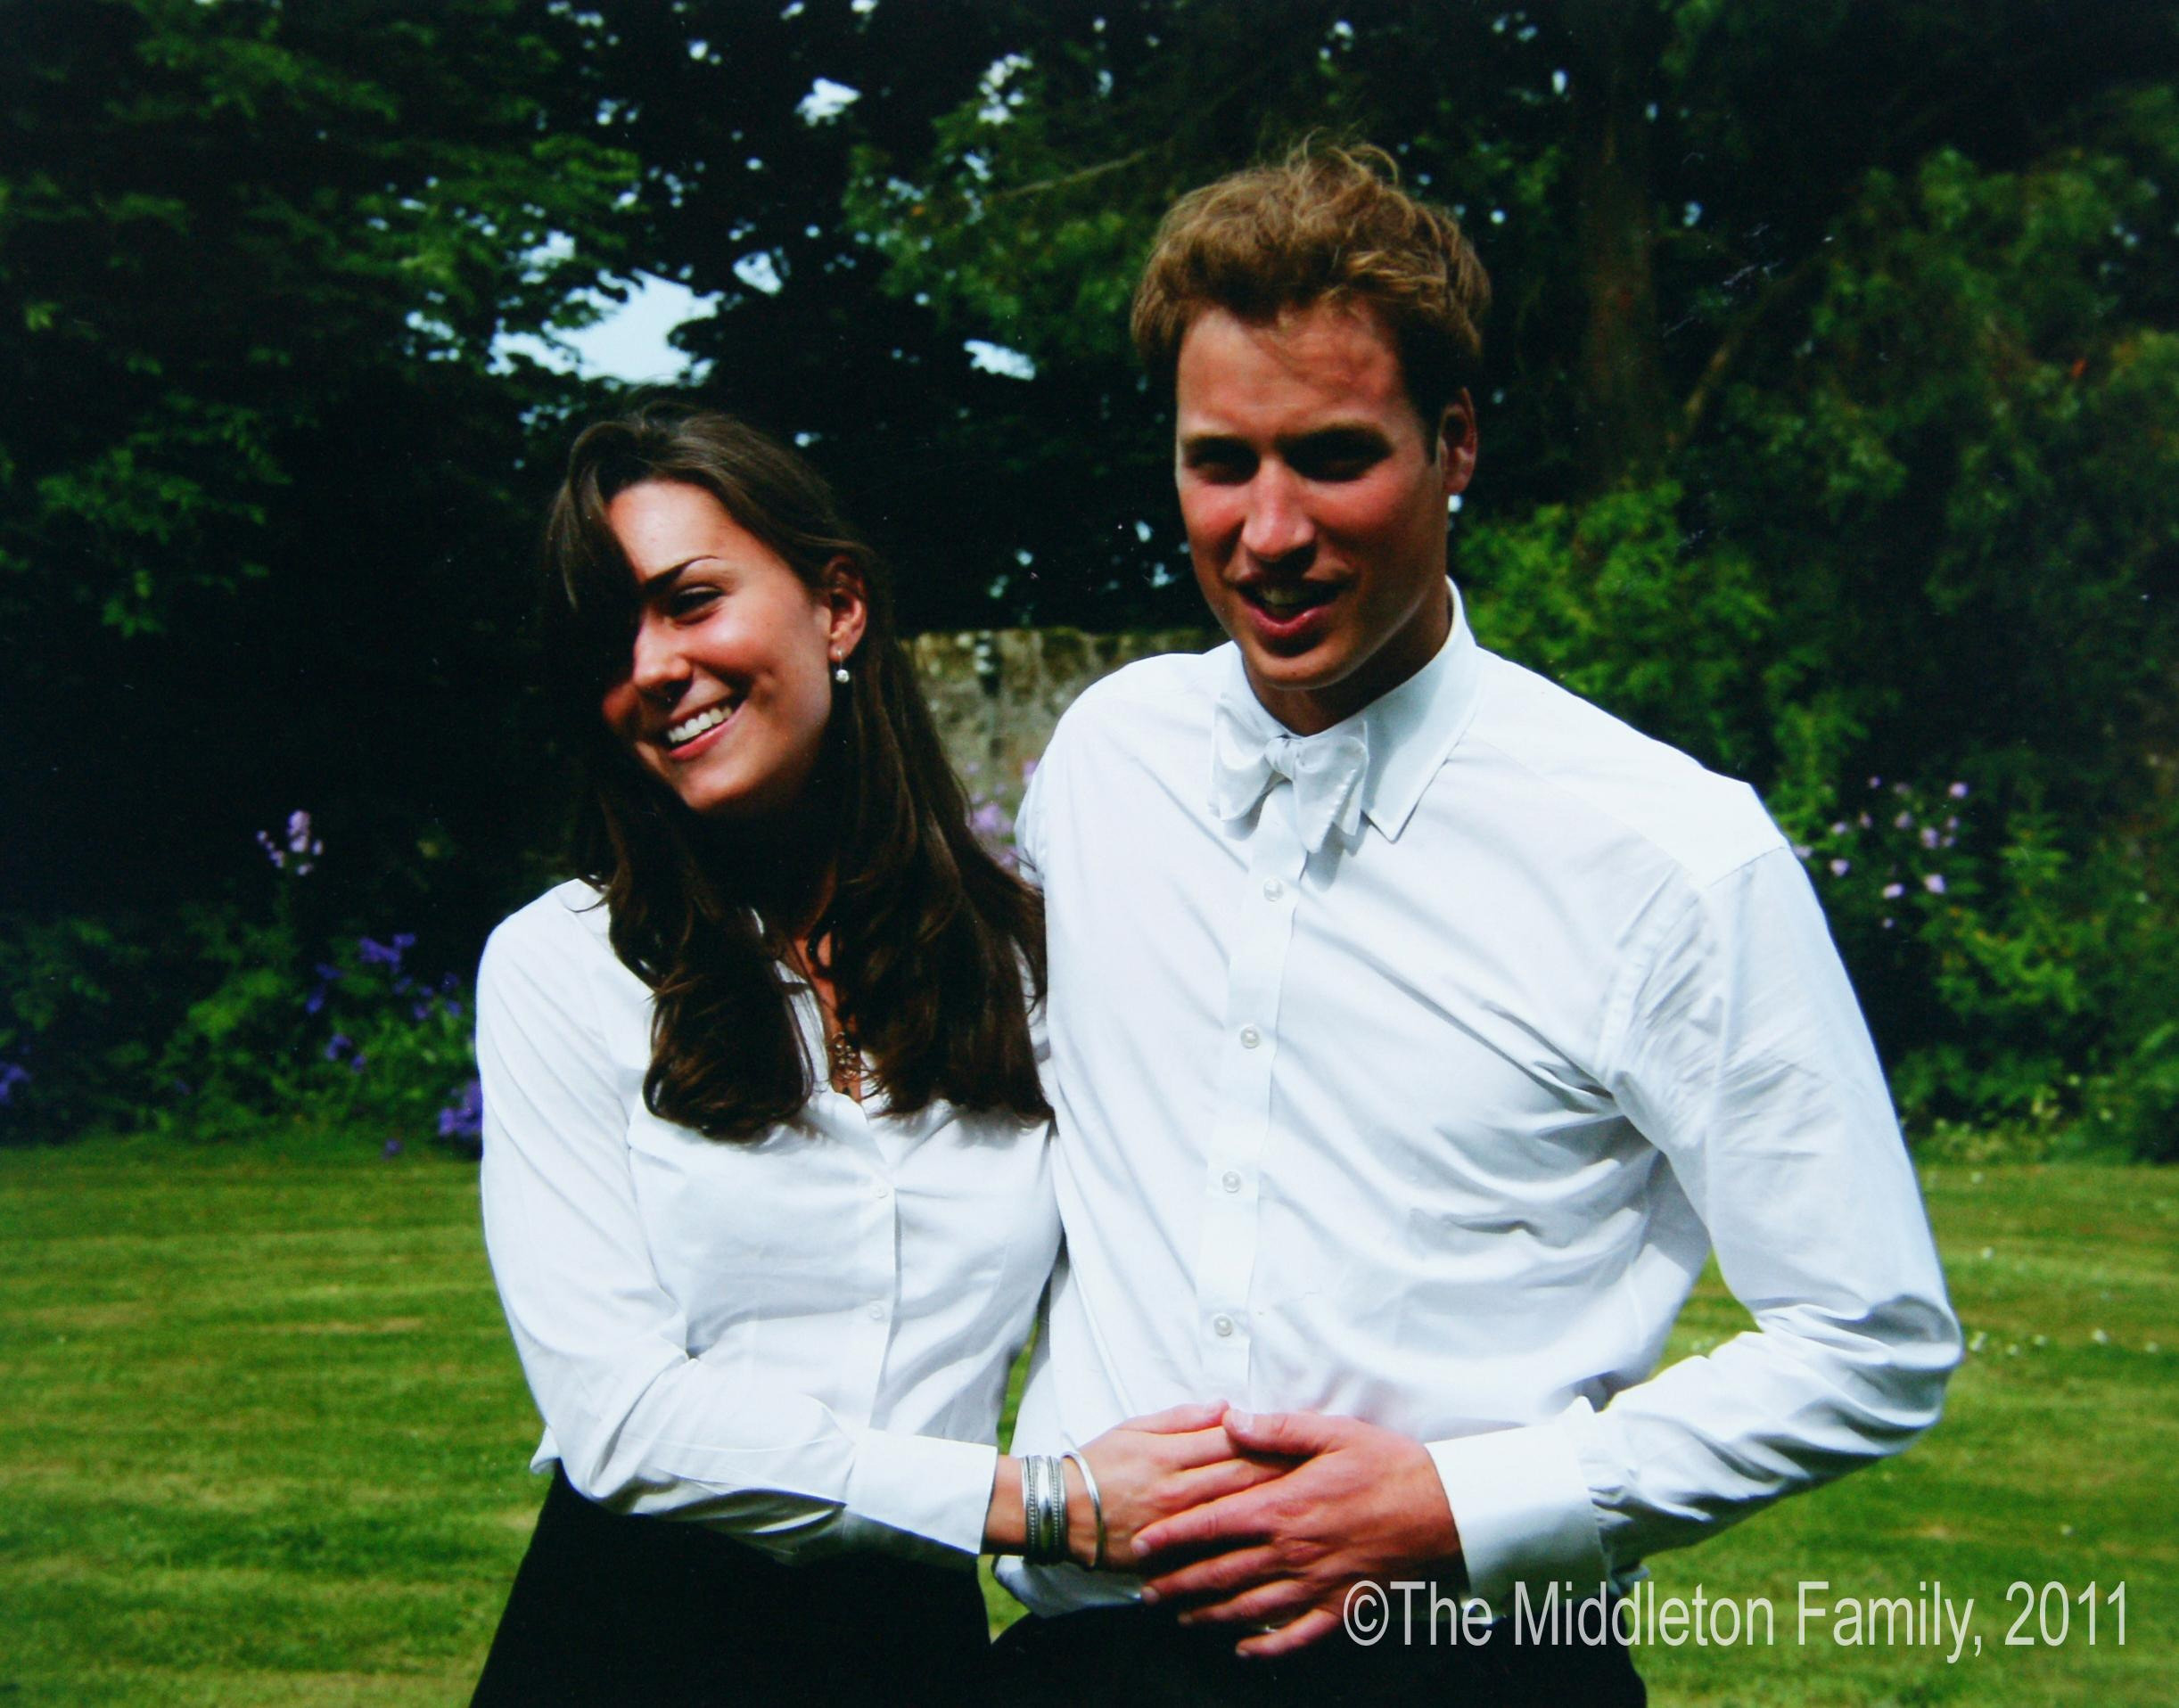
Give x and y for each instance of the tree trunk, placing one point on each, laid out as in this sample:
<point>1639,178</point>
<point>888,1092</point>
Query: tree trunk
<point>1620,410</point>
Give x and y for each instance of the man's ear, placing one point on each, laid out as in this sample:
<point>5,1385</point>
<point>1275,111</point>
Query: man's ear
<point>1457,442</point>
<point>846,600</point>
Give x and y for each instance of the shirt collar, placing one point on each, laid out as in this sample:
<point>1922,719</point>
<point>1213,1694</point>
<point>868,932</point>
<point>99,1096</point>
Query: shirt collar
<point>1411,730</point>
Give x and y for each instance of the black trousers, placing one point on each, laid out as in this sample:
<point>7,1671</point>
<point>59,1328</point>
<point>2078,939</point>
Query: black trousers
<point>608,1609</point>
<point>1140,1657</point>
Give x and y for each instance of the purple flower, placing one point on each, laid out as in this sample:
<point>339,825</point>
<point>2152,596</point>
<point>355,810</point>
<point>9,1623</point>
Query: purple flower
<point>1934,883</point>
<point>464,1118</point>
<point>1905,821</point>
<point>1893,891</point>
<point>1886,922</point>
<point>1875,783</point>
<point>356,1063</point>
<point>454,1010</point>
<point>1840,828</point>
<point>377,954</point>
<point>1958,791</point>
<point>1029,769</point>
<point>421,1011</point>
<point>272,852</point>
<point>393,1148</point>
<point>338,1045</point>
<point>11,1074</point>
<point>1839,868</point>
<point>1801,850</point>
<point>1929,836</point>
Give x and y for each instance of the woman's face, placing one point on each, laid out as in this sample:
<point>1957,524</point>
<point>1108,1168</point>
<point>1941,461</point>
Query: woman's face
<point>730,683</point>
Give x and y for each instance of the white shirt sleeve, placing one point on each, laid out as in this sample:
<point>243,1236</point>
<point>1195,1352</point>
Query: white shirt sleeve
<point>1029,829</point>
<point>1741,1054</point>
<point>640,1425</point>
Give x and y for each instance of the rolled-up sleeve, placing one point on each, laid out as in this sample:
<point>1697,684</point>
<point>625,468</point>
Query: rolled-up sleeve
<point>639,1422</point>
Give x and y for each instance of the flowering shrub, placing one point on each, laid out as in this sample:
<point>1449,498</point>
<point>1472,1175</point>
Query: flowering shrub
<point>235,1017</point>
<point>2011,979</point>
<point>396,1049</point>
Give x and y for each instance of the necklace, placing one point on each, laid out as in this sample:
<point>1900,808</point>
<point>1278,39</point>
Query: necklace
<point>844,1064</point>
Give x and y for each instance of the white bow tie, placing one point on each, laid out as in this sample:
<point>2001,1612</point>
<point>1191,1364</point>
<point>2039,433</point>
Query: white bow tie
<point>1327,774</point>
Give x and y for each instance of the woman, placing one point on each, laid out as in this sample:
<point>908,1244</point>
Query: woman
<point>764,1179</point>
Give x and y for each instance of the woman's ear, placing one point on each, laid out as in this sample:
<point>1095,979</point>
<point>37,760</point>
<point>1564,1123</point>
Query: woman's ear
<point>846,601</point>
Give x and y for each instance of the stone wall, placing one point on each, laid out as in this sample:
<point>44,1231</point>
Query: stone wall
<point>997,693</point>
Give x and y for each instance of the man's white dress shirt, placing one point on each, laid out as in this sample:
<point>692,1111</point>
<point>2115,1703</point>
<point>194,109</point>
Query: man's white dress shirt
<point>1434,1125</point>
<point>801,1340</point>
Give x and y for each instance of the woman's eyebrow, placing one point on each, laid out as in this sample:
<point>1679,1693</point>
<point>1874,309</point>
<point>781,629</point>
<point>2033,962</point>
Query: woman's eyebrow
<point>652,586</point>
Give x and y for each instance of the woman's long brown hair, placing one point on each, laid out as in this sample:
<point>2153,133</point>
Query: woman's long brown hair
<point>929,936</point>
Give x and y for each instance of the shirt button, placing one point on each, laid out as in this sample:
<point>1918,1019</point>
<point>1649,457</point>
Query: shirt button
<point>1273,889</point>
<point>880,1190</point>
<point>1230,1180</point>
<point>1250,1038</point>
<point>1222,1326</point>
<point>877,1313</point>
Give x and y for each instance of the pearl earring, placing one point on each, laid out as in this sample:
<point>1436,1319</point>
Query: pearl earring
<point>839,670</point>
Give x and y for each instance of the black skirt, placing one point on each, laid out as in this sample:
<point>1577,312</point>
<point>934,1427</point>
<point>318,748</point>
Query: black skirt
<point>610,1609</point>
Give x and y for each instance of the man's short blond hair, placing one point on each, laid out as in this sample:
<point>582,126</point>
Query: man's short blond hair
<point>1325,224</point>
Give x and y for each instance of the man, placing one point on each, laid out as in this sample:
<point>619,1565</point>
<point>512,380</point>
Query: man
<point>1416,1031</point>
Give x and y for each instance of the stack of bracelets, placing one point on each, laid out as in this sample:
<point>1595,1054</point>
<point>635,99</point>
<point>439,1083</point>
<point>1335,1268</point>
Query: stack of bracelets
<point>1044,1509</point>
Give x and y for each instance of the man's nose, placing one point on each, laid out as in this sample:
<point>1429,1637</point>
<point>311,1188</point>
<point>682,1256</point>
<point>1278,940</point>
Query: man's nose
<point>1279,523</point>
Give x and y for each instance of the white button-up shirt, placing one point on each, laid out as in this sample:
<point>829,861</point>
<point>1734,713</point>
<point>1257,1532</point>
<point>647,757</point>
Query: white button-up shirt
<point>1436,1125</point>
<point>802,1340</point>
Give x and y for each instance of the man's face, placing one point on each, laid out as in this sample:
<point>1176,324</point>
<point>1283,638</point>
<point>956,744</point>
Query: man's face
<point>1315,499</point>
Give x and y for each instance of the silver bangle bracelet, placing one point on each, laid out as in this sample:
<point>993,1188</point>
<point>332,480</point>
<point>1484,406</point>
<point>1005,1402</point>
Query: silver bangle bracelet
<point>1097,1503</point>
<point>1055,1513</point>
<point>1044,1511</point>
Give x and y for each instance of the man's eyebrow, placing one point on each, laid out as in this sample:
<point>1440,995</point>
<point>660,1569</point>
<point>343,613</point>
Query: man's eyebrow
<point>1209,439</point>
<point>1333,435</point>
<point>1337,433</point>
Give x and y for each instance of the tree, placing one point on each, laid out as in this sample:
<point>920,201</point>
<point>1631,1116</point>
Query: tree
<point>1831,430</point>
<point>263,507</point>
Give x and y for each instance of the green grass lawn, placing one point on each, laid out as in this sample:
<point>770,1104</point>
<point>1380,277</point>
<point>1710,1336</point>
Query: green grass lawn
<point>262,1440</point>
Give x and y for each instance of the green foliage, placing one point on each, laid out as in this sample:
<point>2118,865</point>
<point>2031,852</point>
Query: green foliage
<point>69,1053</point>
<point>237,1050</point>
<point>1830,432</point>
<point>398,1049</point>
<point>257,1013</point>
<point>262,475</point>
<point>1614,601</point>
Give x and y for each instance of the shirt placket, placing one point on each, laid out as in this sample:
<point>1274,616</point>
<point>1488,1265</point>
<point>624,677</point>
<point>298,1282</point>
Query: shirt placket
<point>1226,1260</point>
<point>875,1214</point>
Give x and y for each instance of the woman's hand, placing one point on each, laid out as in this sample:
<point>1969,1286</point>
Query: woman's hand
<point>1150,1468</point>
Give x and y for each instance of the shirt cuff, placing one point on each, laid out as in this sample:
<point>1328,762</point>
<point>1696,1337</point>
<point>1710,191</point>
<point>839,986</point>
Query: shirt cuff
<point>1523,1510</point>
<point>928,1487</point>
